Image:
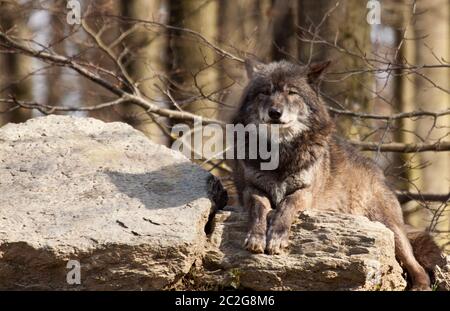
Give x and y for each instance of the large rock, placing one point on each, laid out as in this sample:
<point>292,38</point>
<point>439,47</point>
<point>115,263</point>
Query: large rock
<point>135,215</point>
<point>130,211</point>
<point>327,251</point>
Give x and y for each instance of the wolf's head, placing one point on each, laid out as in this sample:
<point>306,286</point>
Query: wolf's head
<point>284,94</point>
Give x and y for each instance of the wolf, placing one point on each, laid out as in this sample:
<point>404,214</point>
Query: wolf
<point>316,170</point>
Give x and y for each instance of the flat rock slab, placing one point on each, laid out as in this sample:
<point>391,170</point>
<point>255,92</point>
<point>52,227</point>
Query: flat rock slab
<point>327,251</point>
<point>130,211</point>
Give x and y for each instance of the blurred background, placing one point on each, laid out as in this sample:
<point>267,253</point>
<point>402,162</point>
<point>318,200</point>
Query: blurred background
<point>388,86</point>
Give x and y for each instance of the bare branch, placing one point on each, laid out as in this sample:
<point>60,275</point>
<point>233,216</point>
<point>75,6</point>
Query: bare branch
<point>402,115</point>
<point>59,60</point>
<point>188,31</point>
<point>403,148</point>
<point>98,40</point>
<point>126,98</point>
<point>405,196</point>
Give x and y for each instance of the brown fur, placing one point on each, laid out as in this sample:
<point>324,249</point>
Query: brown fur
<point>316,169</point>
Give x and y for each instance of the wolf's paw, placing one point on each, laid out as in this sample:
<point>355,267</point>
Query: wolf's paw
<point>277,241</point>
<point>421,282</point>
<point>421,288</point>
<point>255,242</point>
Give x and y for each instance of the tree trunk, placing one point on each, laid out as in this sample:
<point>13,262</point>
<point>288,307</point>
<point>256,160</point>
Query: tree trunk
<point>431,30</point>
<point>345,25</point>
<point>56,87</point>
<point>146,63</point>
<point>92,93</point>
<point>284,14</point>
<point>190,60</point>
<point>244,29</point>
<point>15,67</point>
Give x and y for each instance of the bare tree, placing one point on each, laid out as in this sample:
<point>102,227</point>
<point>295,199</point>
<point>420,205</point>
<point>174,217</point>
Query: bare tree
<point>428,90</point>
<point>144,60</point>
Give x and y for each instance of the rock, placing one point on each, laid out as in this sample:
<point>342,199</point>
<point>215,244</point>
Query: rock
<point>135,215</point>
<point>327,251</point>
<point>442,275</point>
<point>130,211</point>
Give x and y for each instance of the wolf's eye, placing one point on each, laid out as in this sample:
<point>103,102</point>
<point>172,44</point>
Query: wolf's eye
<point>265,92</point>
<point>293,92</point>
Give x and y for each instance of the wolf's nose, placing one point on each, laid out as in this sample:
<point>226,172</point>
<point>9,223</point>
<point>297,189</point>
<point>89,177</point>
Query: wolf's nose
<point>275,113</point>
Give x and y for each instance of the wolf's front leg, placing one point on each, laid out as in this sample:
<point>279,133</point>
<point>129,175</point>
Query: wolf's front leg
<point>280,224</point>
<point>258,206</point>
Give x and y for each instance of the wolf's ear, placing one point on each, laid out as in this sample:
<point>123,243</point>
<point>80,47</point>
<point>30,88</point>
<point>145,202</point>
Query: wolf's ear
<point>253,67</point>
<point>315,71</point>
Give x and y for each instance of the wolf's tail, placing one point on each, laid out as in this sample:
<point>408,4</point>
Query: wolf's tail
<point>425,249</point>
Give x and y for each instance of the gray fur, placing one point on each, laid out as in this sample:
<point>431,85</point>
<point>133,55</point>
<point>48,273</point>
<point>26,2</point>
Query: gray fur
<point>317,170</point>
